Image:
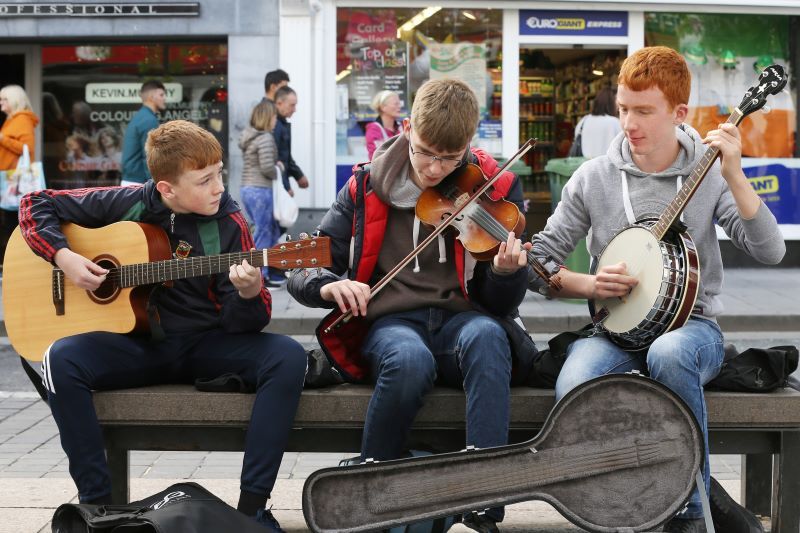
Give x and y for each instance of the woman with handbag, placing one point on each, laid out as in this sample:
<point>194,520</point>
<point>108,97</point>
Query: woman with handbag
<point>259,173</point>
<point>17,132</point>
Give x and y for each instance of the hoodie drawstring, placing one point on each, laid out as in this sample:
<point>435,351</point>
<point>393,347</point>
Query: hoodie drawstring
<point>442,246</point>
<point>626,198</point>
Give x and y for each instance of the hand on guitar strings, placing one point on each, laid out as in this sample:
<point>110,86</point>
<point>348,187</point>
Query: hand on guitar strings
<point>79,270</point>
<point>511,255</point>
<point>348,294</point>
<point>613,280</point>
<point>247,280</point>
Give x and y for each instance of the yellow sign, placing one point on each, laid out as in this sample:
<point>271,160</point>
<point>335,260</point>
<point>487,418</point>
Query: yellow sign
<point>764,184</point>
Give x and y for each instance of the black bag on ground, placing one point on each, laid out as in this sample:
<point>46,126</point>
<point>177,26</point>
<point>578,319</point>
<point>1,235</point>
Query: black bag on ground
<point>184,507</point>
<point>755,369</point>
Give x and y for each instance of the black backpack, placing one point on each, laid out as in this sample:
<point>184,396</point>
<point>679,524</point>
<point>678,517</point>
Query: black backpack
<point>184,507</point>
<point>755,369</point>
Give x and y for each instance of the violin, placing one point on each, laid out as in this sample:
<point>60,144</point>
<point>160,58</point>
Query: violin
<point>482,225</point>
<point>460,205</point>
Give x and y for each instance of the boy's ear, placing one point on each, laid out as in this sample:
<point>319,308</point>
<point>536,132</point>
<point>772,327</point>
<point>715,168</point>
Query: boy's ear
<point>681,112</point>
<point>165,188</point>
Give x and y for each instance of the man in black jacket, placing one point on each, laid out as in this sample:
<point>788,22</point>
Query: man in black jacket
<point>286,102</point>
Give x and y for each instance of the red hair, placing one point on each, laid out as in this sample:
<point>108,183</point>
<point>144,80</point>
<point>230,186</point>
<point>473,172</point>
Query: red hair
<point>658,66</point>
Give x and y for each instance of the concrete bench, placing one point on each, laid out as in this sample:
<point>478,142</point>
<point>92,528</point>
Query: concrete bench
<point>765,428</point>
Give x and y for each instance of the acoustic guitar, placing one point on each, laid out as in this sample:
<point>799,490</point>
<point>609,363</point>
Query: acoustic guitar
<point>662,255</point>
<point>41,305</point>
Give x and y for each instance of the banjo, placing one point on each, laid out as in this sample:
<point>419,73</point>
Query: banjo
<point>661,254</point>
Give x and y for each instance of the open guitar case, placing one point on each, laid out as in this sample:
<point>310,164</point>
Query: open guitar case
<point>618,453</point>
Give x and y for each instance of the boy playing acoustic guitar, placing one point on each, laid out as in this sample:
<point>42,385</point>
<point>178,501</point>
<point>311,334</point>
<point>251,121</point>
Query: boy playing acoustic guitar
<point>206,326</point>
<point>637,179</point>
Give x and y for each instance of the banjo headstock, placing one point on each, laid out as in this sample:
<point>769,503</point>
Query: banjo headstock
<point>771,81</point>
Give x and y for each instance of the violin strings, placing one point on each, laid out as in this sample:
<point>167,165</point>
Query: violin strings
<point>486,221</point>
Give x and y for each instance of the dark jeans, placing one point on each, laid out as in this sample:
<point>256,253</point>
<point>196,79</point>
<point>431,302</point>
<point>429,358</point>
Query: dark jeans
<point>74,366</point>
<point>410,351</point>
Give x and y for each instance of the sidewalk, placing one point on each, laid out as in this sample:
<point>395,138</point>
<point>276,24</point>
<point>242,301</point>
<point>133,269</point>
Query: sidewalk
<point>34,480</point>
<point>33,469</point>
<point>755,299</point>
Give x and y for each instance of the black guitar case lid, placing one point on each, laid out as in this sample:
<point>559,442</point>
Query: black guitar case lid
<point>618,453</point>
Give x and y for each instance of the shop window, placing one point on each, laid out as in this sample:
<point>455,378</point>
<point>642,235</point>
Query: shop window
<point>91,92</point>
<point>399,49</point>
<point>725,53</point>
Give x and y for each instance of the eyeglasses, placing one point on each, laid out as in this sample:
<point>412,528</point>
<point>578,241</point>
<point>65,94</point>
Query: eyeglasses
<point>426,159</point>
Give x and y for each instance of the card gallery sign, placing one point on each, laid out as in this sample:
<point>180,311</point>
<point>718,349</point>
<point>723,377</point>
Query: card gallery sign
<point>106,9</point>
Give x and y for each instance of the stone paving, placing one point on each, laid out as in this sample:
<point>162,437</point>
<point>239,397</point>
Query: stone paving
<point>34,478</point>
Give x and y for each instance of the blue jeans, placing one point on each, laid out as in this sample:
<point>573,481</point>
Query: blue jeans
<point>258,206</point>
<point>409,352</point>
<point>684,360</point>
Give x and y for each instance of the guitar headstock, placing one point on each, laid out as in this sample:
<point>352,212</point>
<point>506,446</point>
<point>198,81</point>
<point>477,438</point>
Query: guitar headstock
<point>304,253</point>
<point>772,80</point>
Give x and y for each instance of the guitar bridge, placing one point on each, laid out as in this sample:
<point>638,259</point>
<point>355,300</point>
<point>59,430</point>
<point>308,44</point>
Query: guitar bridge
<point>58,291</point>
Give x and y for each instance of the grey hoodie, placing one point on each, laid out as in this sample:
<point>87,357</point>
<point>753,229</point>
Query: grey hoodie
<point>593,198</point>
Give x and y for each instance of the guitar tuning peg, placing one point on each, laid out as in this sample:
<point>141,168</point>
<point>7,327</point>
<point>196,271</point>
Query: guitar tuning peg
<point>319,271</point>
<point>303,236</point>
<point>316,234</point>
<point>766,109</point>
<point>288,238</point>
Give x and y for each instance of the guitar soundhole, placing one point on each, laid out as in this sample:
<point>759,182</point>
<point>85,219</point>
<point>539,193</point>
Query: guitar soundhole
<point>109,289</point>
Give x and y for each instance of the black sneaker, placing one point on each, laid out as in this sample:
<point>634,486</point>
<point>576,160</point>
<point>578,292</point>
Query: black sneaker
<point>729,516</point>
<point>685,525</point>
<point>265,518</point>
<point>480,523</point>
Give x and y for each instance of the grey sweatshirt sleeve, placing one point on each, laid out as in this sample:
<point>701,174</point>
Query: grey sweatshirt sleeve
<point>759,236</point>
<point>568,224</point>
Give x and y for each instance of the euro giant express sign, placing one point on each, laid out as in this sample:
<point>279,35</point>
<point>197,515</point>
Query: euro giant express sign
<point>572,23</point>
<point>778,185</point>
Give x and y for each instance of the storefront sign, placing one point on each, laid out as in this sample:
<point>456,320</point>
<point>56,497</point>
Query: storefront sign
<point>74,9</point>
<point>127,93</point>
<point>551,22</point>
<point>777,185</point>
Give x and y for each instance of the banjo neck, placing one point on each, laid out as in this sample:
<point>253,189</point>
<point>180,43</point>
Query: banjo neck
<point>678,204</point>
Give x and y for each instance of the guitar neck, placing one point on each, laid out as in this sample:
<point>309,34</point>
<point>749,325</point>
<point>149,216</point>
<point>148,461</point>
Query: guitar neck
<point>678,204</point>
<point>190,267</point>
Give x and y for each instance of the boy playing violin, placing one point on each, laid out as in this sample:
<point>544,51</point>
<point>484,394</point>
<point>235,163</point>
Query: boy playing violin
<point>423,328</point>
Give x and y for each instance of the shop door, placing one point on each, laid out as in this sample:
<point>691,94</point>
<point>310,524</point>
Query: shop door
<point>558,86</point>
<point>12,73</point>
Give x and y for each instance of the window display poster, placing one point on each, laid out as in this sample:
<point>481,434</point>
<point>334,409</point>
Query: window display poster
<point>377,61</point>
<point>725,54</point>
<point>464,61</point>
<point>87,105</point>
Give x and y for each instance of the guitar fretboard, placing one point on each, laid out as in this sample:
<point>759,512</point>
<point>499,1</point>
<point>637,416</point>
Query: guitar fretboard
<point>172,269</point>
<point>678,204</point>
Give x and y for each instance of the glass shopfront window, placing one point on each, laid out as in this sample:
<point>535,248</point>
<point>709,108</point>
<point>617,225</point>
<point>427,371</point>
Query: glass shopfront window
<point>399,49</point>
<point>725,53</point>
<point>90,93</point>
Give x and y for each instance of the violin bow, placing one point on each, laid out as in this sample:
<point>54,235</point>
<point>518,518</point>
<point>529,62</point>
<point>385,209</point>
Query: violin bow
<point>530,143</point>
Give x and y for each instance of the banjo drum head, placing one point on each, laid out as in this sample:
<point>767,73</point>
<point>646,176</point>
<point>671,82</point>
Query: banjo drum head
<point>639,249</point>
